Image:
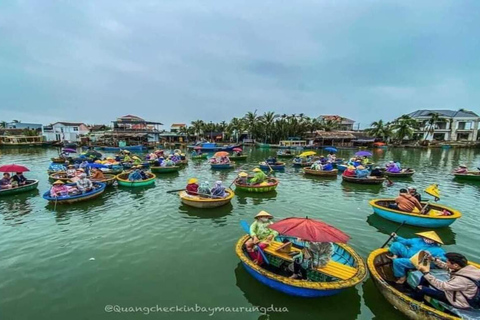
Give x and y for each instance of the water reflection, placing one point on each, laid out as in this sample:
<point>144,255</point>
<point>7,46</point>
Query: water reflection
<point>256,198</point>
<point>298,308</point>
<point>16,207</point>
<point>361,188</point>
<point>387,227</point>
<point>212,213</point>
<point>377,304</point>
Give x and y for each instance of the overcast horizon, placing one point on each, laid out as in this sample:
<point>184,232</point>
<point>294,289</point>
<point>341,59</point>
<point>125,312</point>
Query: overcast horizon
<point>179,61</point>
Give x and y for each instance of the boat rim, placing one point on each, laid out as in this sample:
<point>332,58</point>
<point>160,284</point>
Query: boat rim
<point>230,192</point>
<point>46,195</point>
<point>126,180</point>
<point>456,214</point>
<point>258,186</point>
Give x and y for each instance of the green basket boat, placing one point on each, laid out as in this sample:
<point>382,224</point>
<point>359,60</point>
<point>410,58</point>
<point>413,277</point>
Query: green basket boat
<point>30,185</point>
<point>200,157</point>
<point>470,176</point>
<point>165,169</point>
<point>240,158</point>
<point>123,180</point>
<point>267,186</point>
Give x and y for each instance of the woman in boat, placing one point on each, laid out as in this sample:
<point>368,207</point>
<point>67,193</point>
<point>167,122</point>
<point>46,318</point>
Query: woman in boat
<point>461,169</point>
<point>406,202</point>
<point>362,172</point>
<point>136,161</point>
<point>459,289</point>
<point>258,177</point>
<point>271,160</point>
<point>392,168</point>
<point>5,182</point>
<point>135,175</point>
<point>413,192</point>
<point>312,255</point>
<point>192,186</point>
<point>317,165</point>
<point>260,235</point>
<point>84,165</point>
<point>71,171</point>
<point>376,172</point>
<point>328,166</point>
<point>350,171</point>
<point>84,184</point>
<point>58,189</point>
<point>97,174</point>
<point>242,178</point>
<point>332,157</point>
<point>402,249</point>
<point>218,191</point>
<point>19,179</point>
<point>204,190</point>
<point>127,157</point>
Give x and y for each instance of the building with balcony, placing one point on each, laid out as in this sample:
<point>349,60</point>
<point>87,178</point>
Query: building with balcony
<point>24,125</point>
<point>65,131</point>
<point>451,125</point>
<point>131,130</point>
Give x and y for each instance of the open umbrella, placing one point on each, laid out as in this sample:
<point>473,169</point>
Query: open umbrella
<point>69,150</point>
<point>13,168</point>
<point>331,149</point>
<point>309,230</point>
<point>307,153</point>
<point>97,165</point>
<point>363,154</point>
<point>221,154</point>
<point>237,149</point>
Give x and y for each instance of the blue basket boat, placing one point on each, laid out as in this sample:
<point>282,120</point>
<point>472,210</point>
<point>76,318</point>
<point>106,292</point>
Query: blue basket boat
<point>222,166</point>
<point>98,189</point>
<point>279,166</point>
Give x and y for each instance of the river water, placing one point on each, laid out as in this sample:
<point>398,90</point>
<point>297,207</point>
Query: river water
<point>149,250</point>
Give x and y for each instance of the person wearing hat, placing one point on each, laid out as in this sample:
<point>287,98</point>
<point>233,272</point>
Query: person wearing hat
<point>459,289</point>
<point>135,174</point>
<point>406,202</point>
<point>376,172</point>
<point>242,178</point>
<point>19,179</point>
<point>71,172</point>
<point>136,161</point>
<point>97,174</point>
<point>258,177</point>
<point>392,167</point>
<point>260,235</point>
<point>218,191</point>
<point>204,190</point>
<point>362,172</point>
<point>84,184</point>
<point>328,166</point>
<point>85,166</point>
<point>192,186</point>
<point>413,192</point>
<point>402,249</point>
<point>58,189</point>
<point>350,171</point>
<point>461,169</point>
<point>127,157</point>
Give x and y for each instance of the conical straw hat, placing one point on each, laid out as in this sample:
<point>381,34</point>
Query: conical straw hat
<point>263,214</point>
<point>432,235</point>
<point>243,174</point>
<point>59,182</point>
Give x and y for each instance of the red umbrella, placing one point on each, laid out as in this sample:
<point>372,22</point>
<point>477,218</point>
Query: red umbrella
<point>309,230</point>
<point>197,148</point>
<point>13,168</point>
<point>237,149</point>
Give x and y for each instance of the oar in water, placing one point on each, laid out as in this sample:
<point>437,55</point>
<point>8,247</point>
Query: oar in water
<point>246,228</point>
<point>391,236</point>
<point>176,190</point>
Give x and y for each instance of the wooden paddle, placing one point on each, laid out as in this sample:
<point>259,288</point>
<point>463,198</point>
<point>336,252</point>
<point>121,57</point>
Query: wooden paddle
<point>246,228</point>
<point>176,190</point>
<point>391,236</point>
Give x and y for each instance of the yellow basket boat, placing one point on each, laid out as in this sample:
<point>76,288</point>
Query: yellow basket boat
<point>205,203</point>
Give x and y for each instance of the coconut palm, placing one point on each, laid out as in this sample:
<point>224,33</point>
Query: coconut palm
<point>251,122</point>
<point>404,128</point>
<point>267,120</point>
<point>379,129</point>
<point>198,127</point>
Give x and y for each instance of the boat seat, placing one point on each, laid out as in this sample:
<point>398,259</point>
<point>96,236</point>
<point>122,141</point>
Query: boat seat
<point>333,269</point>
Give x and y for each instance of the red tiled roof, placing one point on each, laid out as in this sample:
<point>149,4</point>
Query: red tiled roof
<point>178,124</point>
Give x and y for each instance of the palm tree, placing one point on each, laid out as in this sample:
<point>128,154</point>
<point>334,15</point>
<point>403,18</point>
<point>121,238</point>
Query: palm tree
<point>3,124</point>
<point>251,120</point>
<point>379,129</point>
<point>185,131</point>
<point>198,127</point>
<point>432,124</point>
<point>267,120</point>
<point>404,127</point>
<point>237,126</point>
<point>222,127</point>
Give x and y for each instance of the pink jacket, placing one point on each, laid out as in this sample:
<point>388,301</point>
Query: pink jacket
<point>454,287</point>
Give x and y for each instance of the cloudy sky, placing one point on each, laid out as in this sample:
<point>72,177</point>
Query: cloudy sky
<point>177,61</point>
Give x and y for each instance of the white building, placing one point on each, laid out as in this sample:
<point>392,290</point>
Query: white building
<point>453,125</point>
<point>65,131</point>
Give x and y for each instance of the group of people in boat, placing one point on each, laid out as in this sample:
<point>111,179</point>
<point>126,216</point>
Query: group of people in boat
<point>10,182</point>
<point>220,160</point>
<point>356,172</point>
<point>459,286</point>
<point>137,174</point>
<point>82,185</point>
<point>312,255</point>
<point>258,177</point>
<point>204,191</point>
<point>409,200</point>
<point>318,165</point>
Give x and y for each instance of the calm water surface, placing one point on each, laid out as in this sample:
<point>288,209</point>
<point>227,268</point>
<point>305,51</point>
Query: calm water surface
<point>151,250</point>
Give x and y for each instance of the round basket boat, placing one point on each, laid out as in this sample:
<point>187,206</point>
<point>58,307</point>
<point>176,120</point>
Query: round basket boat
<point>345,270</point>
<point>59,160</point>
<point>205,203</point>
<point>29,185</point>
<point>403,174</point>
<point>380,267</point>
<point>470,176</point>
<point>368,180</point>
<point>109,179</point>
<point>165,169</point>
<point>98,189</point>
<point>285,155</point>
<point>220,166</point>
<point>62,176</point>
<point>433,218</point>
<point>320,173</point>
<point>302,164</point>
<point>266,186</point>
<point>123,180</point>
<point>181,162</point>
<point>279,166</point>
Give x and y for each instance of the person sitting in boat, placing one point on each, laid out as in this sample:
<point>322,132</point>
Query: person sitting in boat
<point>97,174</point>
<point>5,182</point>
<point>258,177</point>
<point>332,157</point>
<point>71,171</point>
<point>362,172</point>
<point>237,153</point>
<point>459,289</point>
<point>224,160</point>
<point>135,175</point>
<point>260,235</point>
<point>461,169</point>
<point>328,166</point>
<point>182,156</point>
<point>377,172</point>
<point>365,161</point>
<point>59,189</point>
<point>153,156</point>
<point>317,165</point>
<point>142,173</point>
<point>313,255</point>
<point>84,165</point>
<point>413,192</point>
<point>406,202</point>
<point>271,160</point>
<point>398,165</point>
<point>136,161</point>
<point>19,179</point>
<point>192,186</point>
<point>392,168</point>
<point>169,163</point>
<point>84,184</point>
<point>242,178</point>
<point>204,190</point>
<point>127,157</point>
<point>350,171</point>
<point>218,191</point>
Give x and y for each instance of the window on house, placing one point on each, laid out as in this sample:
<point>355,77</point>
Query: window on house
<point>461,126</point>
<point>463,136</point>
<point>75,128</point>
<point>439,136</point>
